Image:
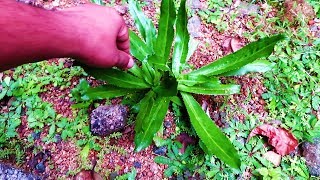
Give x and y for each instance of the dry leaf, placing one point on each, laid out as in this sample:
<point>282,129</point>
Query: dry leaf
<point>273,157</point>
<point>185,140</point>
<point>282,140</point>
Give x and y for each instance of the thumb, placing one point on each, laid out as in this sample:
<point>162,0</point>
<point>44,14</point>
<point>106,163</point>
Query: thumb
<point>124,60</point>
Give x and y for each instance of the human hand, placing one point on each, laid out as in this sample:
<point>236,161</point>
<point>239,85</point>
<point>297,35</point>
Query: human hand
<point>102,38</point>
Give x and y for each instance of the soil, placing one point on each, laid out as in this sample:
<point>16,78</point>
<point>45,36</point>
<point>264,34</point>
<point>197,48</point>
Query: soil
<point>65,155</point>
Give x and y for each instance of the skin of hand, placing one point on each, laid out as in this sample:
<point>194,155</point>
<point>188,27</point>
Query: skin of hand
<point>95,35</point>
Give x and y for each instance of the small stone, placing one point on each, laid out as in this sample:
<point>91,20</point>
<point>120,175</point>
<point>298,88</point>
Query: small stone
<point>137,164</point>
<point>108,119</point>
<point>167,124</point>
<point>35,135</point>
<point>311,152</point>
<point>113,175</point>
<point>40,167</point>
<point>194,26</point>
<point>273,157</point>
<point>149,174</point>
<point>160,151</point>
<point>57,138</point>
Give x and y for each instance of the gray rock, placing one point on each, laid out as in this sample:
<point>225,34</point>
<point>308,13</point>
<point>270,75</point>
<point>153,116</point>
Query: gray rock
<point>195,4</point>
<point>108,119</point>
<point>311,152</point>
<point>11,173</point>
<point>194,26</point>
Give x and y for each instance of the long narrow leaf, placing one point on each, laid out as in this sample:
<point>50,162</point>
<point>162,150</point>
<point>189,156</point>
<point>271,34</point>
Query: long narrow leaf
<point>259,66</point>
<point>117,78</point>
<point>138,48</point>
<point>190,80</point>
<point>166,30</point>
<point>246,55</point>
<point>145,106</point>
<point>152,123</point>
<point>144,24</point>
<point>135,70</point>
<point>181,40</point>
<point>105,91</point>
<point>216,142</point>
<point>211,89</point>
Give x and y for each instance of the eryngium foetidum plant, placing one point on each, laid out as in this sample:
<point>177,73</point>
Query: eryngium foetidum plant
<point>159,76</point>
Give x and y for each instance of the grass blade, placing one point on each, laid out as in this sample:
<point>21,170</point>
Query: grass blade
<point>181,40</point>
<point>211,89</point>
<point>117,78</point>
<point>166,30</point>
<point>151,123</point>
<point>248,54</point>
<point>216,142</point>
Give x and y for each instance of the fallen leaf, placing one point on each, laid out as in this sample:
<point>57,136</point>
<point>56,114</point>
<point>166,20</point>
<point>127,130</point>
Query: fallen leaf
<point>273,157</point>
<point>281,139</point>
<point>185,140</point>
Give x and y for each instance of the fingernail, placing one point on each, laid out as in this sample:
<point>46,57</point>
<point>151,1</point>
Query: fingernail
<point>130,63</point>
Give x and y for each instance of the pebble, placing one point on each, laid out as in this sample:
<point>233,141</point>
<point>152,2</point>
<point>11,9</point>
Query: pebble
<point>160,151</point>
<point>137,164</point>
<point>40,167</point>
<point>194,26</point>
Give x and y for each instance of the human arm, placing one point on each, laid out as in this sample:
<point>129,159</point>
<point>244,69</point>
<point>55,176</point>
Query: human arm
<point>95,35</point>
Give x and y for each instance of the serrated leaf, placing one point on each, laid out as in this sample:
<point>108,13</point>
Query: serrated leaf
<point>216,142</point>
<point>105,92</point>
<point>117,78</point>
<point>138,48</point>
<point>259,66</point>
<point>190,80</point>
<point>162,160</point>
<point>166,30</point>
<point>151,124</point>
<point>259,49</point>
<point>181,40</point>
<point>211,89</point>
<point>143,24</point>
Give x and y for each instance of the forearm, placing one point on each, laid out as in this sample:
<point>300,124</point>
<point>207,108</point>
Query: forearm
<point>30,34</point>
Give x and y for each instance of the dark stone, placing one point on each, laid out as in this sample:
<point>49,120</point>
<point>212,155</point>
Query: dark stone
<point>167,124</point>
<point>57,138</point>
<point>137,164</point>
<point>113,175</point>
<point>108,119</point>
<point>160,151</point>
<point>40,167</point>
<point>311,152</point>
<point>35,135</point>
